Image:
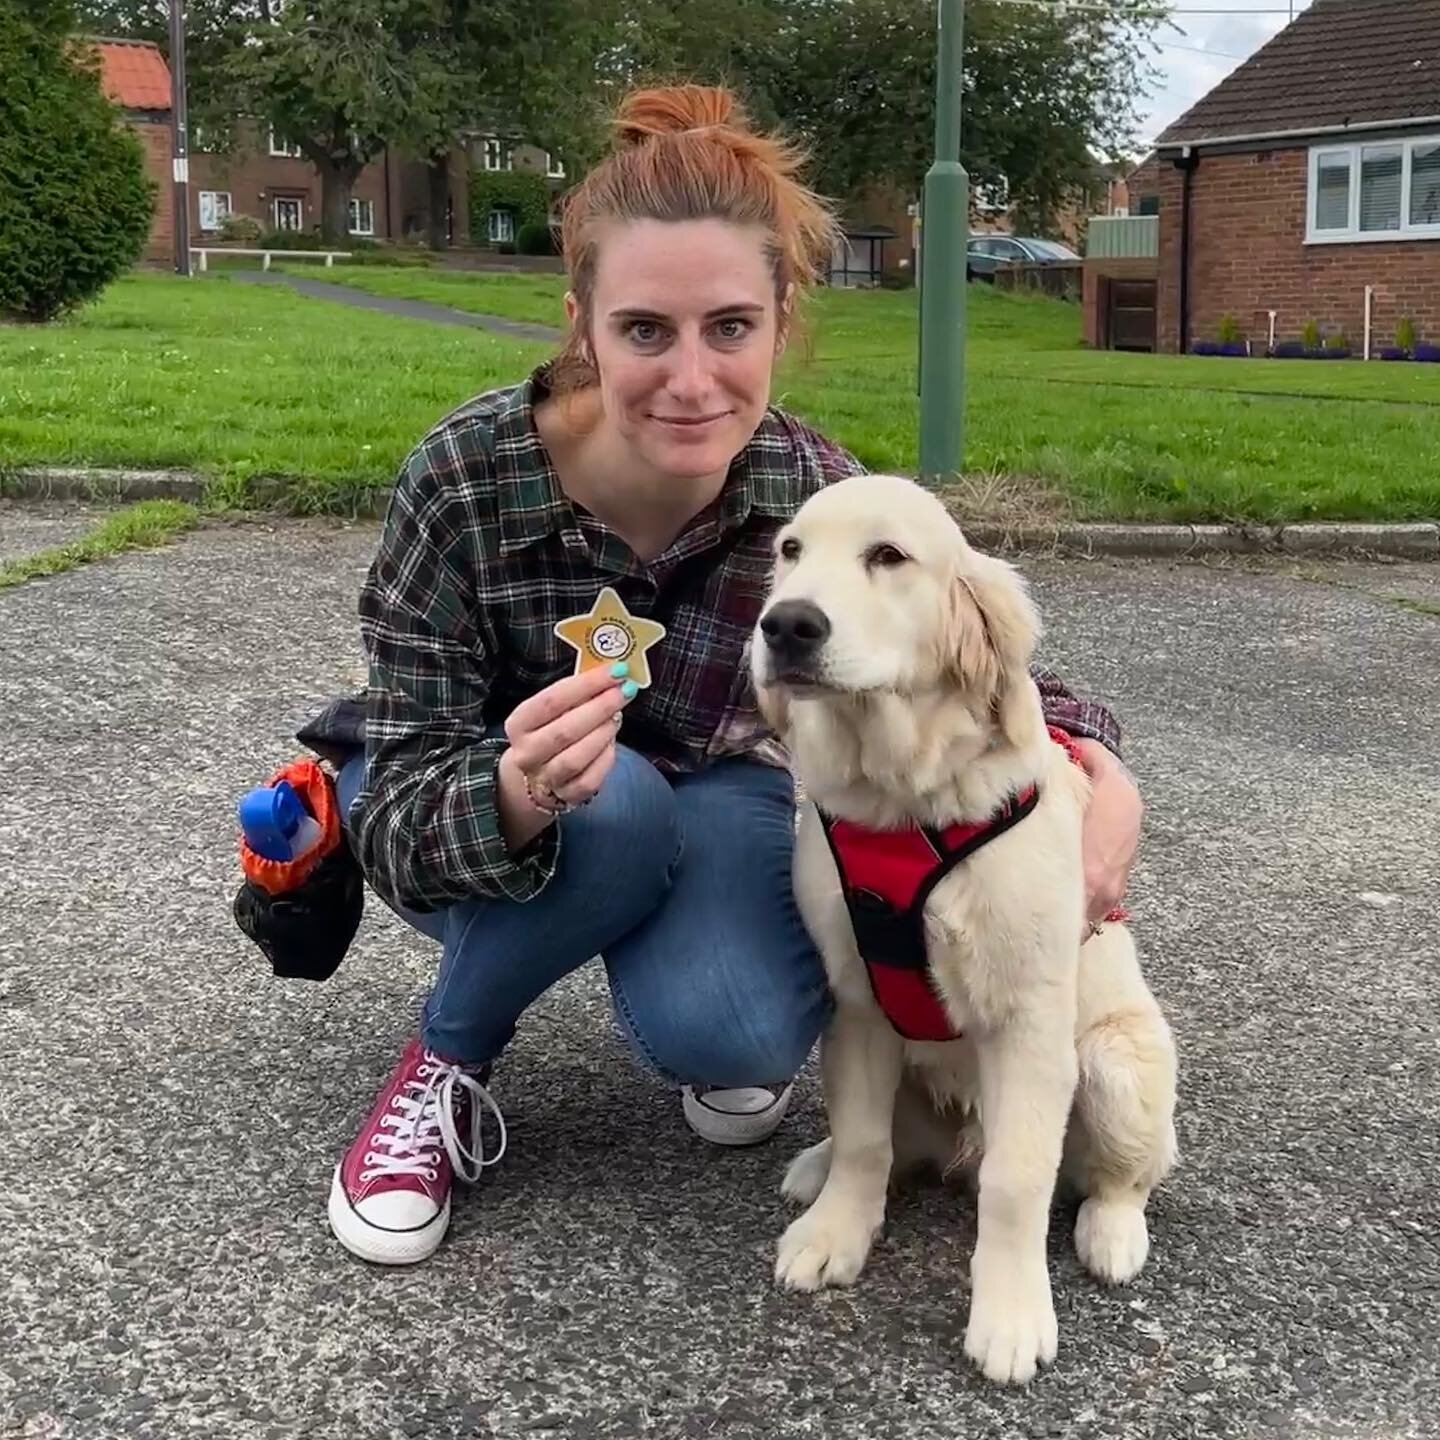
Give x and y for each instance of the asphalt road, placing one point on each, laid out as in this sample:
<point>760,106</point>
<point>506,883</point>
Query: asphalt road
<point>171,1113</point>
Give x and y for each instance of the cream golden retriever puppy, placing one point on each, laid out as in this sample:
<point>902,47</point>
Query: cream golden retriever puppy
<point>894,661</point>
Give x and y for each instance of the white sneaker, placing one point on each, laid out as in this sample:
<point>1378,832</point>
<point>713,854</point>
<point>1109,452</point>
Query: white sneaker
<point>735,1117</point>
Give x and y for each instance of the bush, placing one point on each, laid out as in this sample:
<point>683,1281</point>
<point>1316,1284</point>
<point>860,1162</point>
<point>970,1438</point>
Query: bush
<point>1337,342</point>
<point>505,247</point>
<point>1229,330</point>
<point>1310,336</point>
<point>241,230</point>
<point>525,195</point>
<point>404,255</point>
<point>1405,335</point>
<point>293,240</point>
<point>75,203</point>
<point>533,239</point>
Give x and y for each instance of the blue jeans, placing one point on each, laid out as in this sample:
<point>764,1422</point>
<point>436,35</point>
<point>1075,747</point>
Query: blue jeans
<point>684,889</point>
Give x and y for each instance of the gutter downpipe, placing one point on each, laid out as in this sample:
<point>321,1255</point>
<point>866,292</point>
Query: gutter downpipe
<point>1186,162</point>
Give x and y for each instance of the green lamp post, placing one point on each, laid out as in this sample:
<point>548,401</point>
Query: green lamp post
<point>944,239</point>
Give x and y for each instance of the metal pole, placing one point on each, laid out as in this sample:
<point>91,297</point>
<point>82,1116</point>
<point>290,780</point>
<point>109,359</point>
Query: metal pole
<point>944,238</point>
<point>179,138</point>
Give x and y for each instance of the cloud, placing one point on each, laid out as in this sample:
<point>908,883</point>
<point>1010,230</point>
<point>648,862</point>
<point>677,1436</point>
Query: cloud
<point>1187,75</point>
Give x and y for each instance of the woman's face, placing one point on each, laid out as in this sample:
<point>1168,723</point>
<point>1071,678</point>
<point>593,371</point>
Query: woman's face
<point>684,334</point>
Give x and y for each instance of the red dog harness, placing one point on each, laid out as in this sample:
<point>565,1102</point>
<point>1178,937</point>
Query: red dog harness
<point>887,876</point>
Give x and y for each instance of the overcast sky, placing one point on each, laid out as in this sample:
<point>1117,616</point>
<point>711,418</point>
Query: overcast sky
<point>1223,40</point>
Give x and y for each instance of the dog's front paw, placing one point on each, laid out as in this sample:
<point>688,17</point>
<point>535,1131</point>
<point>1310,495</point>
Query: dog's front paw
<point>1012,1329</point>
<point>827,1245</point>
<point>1111,1240</point>
<point>807,1173</point>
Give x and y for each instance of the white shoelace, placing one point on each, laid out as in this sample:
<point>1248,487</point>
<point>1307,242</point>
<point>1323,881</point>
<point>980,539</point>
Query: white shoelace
<point>423,1120</point>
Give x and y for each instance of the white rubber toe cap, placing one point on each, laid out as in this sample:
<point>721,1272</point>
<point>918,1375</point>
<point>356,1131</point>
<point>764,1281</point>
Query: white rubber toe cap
<point>395,1227</point>
<point>736,1117</point>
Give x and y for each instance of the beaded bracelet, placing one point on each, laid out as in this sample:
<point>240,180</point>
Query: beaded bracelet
<point>551,804</point>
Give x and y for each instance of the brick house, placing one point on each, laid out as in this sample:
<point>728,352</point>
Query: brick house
<point>134,76</point>
<point>266,177</point>
<point>263,176</point>
<point>1307,176</point>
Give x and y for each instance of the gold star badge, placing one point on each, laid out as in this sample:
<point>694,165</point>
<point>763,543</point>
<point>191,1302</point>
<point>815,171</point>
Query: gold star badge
<point>609,633</point>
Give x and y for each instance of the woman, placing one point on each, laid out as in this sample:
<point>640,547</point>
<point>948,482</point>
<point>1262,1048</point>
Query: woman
<point>530,819</point>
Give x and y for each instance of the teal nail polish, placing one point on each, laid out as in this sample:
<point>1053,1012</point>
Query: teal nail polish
<point>629,689</point>
<point>619,670</point>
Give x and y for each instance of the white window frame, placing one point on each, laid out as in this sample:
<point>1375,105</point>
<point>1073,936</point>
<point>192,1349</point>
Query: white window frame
<point>554,169</point>
<point>502,159</point>
<point>283,149</point>
<point>276,201</point>
<point>1352,234</point>
<point>355,203</point>
<point>508,219</point>
<point>218,218</point>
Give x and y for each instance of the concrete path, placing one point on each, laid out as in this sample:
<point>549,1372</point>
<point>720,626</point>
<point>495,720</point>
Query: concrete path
<point>27,527</point>
<point>409,309</point>
<point>172,1113</point>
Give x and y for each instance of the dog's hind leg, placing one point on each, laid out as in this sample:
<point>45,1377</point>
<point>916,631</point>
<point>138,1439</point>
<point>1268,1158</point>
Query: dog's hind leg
<point>806,1174</point>
<point>923,1139</point>
<point>1121,1140</point>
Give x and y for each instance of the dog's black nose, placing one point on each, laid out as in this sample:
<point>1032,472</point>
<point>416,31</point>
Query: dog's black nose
<point>795,629</point>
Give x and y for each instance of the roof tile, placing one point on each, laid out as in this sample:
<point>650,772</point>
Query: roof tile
<point>1341,62</point>
<point>134,74</point>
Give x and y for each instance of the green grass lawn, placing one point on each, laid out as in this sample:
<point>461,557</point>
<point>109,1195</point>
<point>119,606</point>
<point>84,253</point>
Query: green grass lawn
<point>241,381</point>
<point>251,381</point>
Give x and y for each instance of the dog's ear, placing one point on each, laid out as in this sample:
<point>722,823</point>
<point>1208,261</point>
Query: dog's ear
<point>991,633</point>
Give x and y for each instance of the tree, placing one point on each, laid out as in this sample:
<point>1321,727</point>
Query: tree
<point>75,202</point>
<point>1046,88</point>
<point>126,19</point>
<point>342,79</point>
<point>518,68</point>
<point>337,78</point>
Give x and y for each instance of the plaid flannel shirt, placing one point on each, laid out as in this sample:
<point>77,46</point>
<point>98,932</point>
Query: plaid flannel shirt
<point>481,555</point>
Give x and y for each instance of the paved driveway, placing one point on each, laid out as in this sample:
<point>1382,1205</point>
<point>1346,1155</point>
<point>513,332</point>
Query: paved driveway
<point>171,1113</point>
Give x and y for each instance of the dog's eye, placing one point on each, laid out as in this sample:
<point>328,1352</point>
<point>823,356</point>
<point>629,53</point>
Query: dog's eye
<point>886,556</point>
<point>789,548</point>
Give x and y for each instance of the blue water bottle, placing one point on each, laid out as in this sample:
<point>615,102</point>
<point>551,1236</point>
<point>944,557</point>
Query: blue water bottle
<point>276,823</point>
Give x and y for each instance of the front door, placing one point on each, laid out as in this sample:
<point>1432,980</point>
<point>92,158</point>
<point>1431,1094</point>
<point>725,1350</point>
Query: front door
<point>1131,324</point>
<point>289,212</point>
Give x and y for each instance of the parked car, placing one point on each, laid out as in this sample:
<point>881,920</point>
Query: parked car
<point>988,252</point>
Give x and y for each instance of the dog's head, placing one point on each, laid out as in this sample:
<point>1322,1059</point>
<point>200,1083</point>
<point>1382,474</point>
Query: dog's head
<point>877,590</point>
